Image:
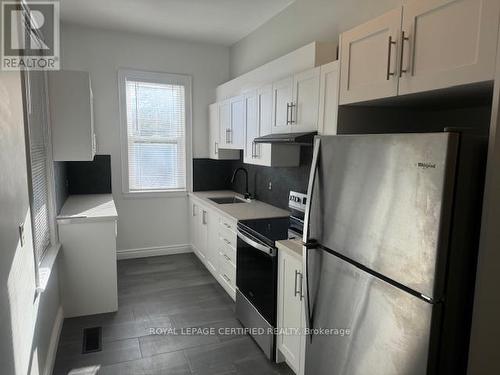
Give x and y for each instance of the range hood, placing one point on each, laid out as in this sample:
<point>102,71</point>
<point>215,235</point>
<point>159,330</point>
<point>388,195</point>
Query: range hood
<point>305,139</point>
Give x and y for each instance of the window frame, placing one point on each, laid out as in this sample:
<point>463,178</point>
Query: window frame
<point>42,265</point>
<point>162,78</point>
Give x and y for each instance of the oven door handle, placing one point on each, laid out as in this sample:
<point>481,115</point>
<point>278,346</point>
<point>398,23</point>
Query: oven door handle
<point>266,249</point>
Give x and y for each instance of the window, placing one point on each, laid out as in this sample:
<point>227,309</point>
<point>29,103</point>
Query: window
<point>41,212</point>
<point>155,116</point>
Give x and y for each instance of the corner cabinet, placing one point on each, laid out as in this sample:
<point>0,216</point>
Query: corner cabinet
<point>425,45</point>
<point>72,116</point>
<point>291,310</point>
<point>215,150</point>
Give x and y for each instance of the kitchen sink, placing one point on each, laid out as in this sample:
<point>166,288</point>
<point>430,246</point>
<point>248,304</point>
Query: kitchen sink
<point>228,200</point>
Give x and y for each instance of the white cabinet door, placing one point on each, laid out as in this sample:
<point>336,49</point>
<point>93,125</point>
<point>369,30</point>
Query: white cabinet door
<point>262,151</point>
<point>211,254</point>
<point>213,131</point>
<point>290,308</point>
<point>304,110</point>
<point>328,99</point>
<point>282,100</point>
<point>252,128</point>
<point>71,115</point>
<point>450,43</point>
<point>369,59</point>
<point>202,234</point>
<point>236,134</point>
<point>214,139</point>
<point>193,223</point>
<point>224,123</point>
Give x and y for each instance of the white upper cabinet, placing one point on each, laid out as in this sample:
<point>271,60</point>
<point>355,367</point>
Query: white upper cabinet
<point>368,59</point>
<point>225,123</point>
<point>71,116</point>
<point>304,107</point>
<point>328,99</point>
<point>447,43</point>
<point>259,108</point>
<point>282,100</point>
<point>215,150</point>
<point>295,103</point>
<point>425,45</point>
<point>234,133</point>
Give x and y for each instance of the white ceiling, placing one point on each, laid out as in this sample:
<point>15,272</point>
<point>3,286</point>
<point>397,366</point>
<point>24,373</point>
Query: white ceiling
<point>216,21</point>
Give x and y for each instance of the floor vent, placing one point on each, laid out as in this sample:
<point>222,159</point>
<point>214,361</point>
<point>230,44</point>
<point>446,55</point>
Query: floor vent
<point>92,340</point>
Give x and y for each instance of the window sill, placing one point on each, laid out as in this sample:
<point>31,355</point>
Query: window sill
<point>46,266</point>
<point>156,194</point>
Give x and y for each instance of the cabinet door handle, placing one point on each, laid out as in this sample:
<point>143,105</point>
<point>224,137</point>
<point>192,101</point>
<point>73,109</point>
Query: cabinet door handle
<point>292,106</point>
<point>204,217</point>
<point>227,241</point>
<point>194,210</point>
<point>404,39</point>
<point>389,58</point>
<point>287,113</point>
<point>295,291</point>
<point>226,278</point>
<point>216,146</point>
<point>227,258</point>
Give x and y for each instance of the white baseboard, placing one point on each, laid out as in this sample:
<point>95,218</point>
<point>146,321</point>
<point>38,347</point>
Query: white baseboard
<point>153,251</point>
<point>54,342</point>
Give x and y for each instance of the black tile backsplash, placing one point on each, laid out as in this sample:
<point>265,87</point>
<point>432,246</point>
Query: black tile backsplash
<point>89,177</point>
<point>216,175</point>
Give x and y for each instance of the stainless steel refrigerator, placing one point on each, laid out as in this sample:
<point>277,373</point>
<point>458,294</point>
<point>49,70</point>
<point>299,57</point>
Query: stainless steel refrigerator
<point>388,252</point>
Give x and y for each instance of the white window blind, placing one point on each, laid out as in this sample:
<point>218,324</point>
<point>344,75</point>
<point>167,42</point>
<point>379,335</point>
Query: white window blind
<point>37,125</point>
<point>156,136</point>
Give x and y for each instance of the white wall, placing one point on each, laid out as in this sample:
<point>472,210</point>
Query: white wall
<point>144,222</point>
<point>303,22</point>
<point>26,319</point>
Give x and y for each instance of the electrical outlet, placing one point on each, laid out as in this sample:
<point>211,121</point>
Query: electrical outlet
<point>21,234</point>
<point>270,186</point>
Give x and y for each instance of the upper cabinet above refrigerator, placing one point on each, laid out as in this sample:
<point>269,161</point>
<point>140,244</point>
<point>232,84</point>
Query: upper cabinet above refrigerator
<point>425,45</point>
<point>72,116</point>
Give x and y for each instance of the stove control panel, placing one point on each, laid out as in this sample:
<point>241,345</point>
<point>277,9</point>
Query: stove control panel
<point>297,201</point>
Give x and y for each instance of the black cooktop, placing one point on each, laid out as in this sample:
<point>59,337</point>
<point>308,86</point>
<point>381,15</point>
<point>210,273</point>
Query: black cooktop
<point>267,230</point>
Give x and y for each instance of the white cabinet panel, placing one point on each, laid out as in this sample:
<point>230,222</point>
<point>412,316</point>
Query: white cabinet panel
<point>71,116</point>
<point>328,99</point>
<point>291,309</point>
<point>450,43</point>
<point>304,110</point>
<point>252,127</point>
<point>216,152</point>
<point>224,123</point>
<point>282,98</point>
<point>369,59</point>
<point>238,121</point>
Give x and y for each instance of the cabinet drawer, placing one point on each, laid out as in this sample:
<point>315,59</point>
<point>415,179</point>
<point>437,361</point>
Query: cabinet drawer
<point>228,253</point>
<point>227,238</point>
<point>227,270</point>
<point>227,224</point>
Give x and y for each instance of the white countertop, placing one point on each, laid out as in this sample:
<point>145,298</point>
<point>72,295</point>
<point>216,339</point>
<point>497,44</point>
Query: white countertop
<point>240,211</point>
<point>88,207</point>
<point>292,246</point>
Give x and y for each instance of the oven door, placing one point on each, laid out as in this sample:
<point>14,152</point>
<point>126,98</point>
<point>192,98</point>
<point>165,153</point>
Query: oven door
<point>256,274</point>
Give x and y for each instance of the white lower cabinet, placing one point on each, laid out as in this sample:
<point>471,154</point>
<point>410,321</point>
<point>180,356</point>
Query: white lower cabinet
<point>213,237</point>
<point>291,312</point>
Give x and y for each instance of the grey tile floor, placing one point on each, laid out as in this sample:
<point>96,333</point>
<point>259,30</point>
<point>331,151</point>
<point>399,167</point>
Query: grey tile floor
<point>169,292</point>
